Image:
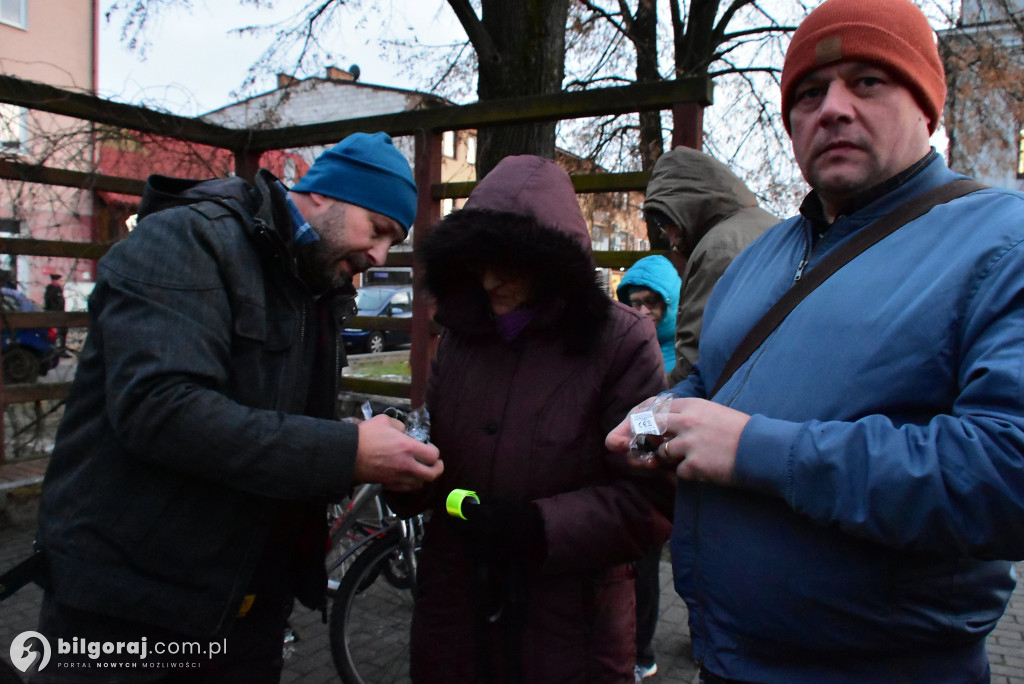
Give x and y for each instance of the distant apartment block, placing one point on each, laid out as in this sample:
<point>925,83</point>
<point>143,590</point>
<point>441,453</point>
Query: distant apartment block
<point>53,42</point>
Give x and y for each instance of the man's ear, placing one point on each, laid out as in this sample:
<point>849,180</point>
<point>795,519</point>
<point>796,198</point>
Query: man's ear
<point>317,199</point>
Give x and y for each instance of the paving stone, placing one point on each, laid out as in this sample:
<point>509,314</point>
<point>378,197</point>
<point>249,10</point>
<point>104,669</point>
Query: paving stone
<point>311,662</point>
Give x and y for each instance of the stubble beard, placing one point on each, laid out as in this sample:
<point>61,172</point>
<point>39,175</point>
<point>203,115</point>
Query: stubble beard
<point>314,267</point>
<point>319,261</point>
<point>838,187</point>
<point>318,266</point>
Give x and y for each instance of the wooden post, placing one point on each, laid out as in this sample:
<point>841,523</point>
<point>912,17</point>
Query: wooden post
<point>247,163</point>
<point>428,211</point>
<point>688,129</point>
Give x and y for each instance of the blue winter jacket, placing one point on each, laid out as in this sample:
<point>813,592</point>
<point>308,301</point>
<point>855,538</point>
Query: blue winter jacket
<point>657,273</point>
<point>880,480</point>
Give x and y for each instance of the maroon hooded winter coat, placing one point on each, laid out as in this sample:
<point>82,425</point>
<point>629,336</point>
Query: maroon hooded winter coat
<point>525,421</point>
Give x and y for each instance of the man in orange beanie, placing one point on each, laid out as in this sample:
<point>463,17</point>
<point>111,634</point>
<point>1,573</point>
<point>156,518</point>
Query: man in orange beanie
<point>851,489</point>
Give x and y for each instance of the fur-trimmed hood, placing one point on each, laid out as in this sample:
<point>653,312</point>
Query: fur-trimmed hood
<point>523,216</point>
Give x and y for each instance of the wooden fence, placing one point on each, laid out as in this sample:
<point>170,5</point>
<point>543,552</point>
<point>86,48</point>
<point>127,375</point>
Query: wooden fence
<point>686,98</point>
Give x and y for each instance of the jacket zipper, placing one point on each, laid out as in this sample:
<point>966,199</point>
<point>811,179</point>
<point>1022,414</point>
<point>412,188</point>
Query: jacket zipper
<point>802,266</point>
<point>808,242</point>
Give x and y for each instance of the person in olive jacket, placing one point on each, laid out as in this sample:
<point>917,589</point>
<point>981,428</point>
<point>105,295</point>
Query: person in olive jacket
<point>535,364</point>
<point>709,216</point>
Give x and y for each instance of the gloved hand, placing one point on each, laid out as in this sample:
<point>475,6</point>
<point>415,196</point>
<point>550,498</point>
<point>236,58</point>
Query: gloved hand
<point>500,531</point>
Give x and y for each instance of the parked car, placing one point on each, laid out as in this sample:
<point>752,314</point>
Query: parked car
<point>29,352</point>
<point>380,300</point>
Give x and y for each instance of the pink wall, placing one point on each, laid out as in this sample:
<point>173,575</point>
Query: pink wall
<point>55,46</point>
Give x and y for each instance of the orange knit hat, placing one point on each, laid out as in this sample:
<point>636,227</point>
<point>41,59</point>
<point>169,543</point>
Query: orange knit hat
<point>893,34</point>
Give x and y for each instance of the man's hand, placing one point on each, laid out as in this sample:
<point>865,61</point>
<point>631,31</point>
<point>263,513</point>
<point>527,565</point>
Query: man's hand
<point>700,441</point>
<point>704,439</point>
<point>388,456</point>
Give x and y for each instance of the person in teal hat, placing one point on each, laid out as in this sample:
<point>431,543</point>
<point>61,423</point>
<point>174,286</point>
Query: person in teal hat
<point>651,286</point>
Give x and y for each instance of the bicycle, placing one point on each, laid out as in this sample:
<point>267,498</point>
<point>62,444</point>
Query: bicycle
<point>372,608</point>
<point>374,553</point>
<point>355,522</point>
<point>352,525</point>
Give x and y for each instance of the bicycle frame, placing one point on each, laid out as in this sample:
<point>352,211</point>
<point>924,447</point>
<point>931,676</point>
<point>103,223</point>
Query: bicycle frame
<point>345,524</point>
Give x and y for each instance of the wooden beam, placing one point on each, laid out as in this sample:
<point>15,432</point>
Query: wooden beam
<point>611,182</point>
<point>91,108</point>
<point>379,323</point>
<point>583,183</point>
<point>33,173</point>
<point>54,248</point>
<point>398,258</point>
<point>384,388</point>
<point>36,391</point>
<point>524,110</point>
<point>688,130</point>
<point>535,109</point>
<point>19,320</point>
<point>428,210</point>
<point>247,163</point>
<point>620,259</point>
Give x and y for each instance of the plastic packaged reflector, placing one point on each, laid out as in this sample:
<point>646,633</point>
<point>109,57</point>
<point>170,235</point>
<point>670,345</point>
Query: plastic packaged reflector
<point>646,421</point>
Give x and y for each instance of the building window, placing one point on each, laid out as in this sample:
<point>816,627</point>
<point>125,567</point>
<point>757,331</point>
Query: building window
<point>447,205</point>
<point>471,149</point>
<point>1020,153</point>
<point>12,128</point>
<point>448,144</point>
<point>9,225</point>
<point>13,12</point>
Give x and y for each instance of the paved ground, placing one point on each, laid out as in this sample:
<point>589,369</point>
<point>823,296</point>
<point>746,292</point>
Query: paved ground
<point>311,661</point>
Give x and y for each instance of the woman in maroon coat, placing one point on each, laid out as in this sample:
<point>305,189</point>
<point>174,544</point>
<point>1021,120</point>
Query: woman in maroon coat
<point>535,366</point>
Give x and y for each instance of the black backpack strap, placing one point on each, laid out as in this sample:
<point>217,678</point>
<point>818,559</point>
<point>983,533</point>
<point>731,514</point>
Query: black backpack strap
<point>861,241</point>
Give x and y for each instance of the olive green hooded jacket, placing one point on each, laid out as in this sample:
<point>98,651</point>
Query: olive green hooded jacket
<point>718,216</point>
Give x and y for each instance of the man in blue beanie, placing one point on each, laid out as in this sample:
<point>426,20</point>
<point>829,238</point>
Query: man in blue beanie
<point>186,494</point>
<point>362,177</point>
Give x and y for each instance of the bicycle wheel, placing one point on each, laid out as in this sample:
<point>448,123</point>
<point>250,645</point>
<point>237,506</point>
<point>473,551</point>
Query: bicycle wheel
<point>371,616</point>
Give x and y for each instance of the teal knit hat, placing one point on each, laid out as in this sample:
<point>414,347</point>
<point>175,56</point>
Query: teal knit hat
<point>367,170</point>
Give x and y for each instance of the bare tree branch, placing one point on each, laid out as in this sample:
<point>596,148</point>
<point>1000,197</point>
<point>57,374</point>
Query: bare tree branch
<point>478,35</point>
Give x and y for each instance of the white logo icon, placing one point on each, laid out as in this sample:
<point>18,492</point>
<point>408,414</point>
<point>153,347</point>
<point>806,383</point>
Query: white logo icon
<point>23,655</point>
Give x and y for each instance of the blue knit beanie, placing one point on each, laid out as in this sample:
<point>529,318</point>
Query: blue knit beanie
<point>367,170</point>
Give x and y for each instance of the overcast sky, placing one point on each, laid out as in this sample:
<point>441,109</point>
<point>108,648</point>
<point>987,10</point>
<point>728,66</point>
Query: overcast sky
<point>194,63</point>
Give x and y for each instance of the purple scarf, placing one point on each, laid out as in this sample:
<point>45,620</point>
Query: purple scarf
<point>513,323</point>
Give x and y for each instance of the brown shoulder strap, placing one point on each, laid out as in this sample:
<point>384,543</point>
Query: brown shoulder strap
<point>862,240</point>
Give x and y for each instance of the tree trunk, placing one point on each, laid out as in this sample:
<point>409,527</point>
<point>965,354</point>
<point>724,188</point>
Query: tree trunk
<point>644,36</point>
<point>528,58</point>
<point>694,37</point>
<point>645,39</point>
